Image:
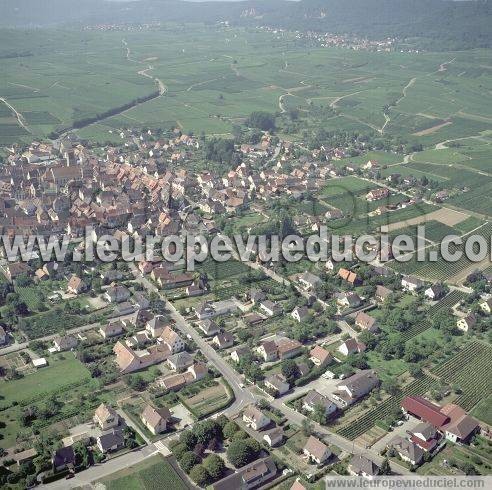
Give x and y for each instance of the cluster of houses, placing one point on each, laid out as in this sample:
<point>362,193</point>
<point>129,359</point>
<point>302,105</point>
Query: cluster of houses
<point>358,465</point>
<point>314,450</point>
<point>107,434</point>
<point>107,437</point>
<point>329,39</point>
<point>346,393</point>
<point>134,352</point>
<point>254,418</point>
<point>234,190</point>
<point>465,320</point>
<point>142,189</point>
<point>437,424</point>
<point>63,188</point>
<point>167,347</point>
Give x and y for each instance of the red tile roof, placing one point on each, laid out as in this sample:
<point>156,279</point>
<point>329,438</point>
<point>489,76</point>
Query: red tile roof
<point>425,410</point>
<point>425,445</point>
<point>460,423</point>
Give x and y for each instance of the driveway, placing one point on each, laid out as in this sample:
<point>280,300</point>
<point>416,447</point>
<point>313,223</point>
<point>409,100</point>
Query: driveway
<point>321,385</point>
<point>408,425</point>
<point>129,422</point>
<point>183,414</point>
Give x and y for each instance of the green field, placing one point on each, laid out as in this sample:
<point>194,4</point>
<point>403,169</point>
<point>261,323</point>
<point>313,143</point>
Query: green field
<point>483,410</point>
<point>63,375</point>
<point>382,157</point>
<point>470,370</point>
<point>154,472</point>
<point>214,77</point>
<point>440,269</point>
<point>60,372</point>
<point>468,225</point>
<point>478,456</point>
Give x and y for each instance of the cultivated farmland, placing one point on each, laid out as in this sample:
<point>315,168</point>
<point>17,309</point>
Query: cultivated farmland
<point>470,370</point>
<point>365,422</point>
<point>441,269</point>
<point>448,301</point>
<point>210,78</point>
<point>155,472</point>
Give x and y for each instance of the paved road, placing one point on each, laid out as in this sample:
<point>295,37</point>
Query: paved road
<point>23,345</point>
<point>341,442</point>
<point>242,395</point>
<point>101,470</point>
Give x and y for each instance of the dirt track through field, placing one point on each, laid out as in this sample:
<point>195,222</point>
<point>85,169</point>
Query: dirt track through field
<point>291,92</point>
<point>464,273</point>
<point>446,216</point>
<point>18,115</point>
<point>433,129</point>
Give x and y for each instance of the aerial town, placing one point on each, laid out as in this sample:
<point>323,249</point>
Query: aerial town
<point>244,373</point>
<point>245,244</point>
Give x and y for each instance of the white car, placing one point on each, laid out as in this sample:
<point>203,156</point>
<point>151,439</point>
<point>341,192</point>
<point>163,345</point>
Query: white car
<point>328,375</point>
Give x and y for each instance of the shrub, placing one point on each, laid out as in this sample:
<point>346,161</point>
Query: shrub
<point>178,450</point>
<point>214,465</point>
<point>188,460</point>
<point>188,439</point>
<point>199,475</point>
<point>241,452</point>
<point>230,429</point>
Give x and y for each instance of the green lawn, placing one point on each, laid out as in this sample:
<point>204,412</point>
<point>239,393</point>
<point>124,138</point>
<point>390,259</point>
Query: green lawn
<point>478,457</point>
<point>483,410</point>
<point>153,473</point>
<point>387,369</point>
<point>12,426</point>
<point>248,220</point>
<point>382,157</point>
<point>59,373</point>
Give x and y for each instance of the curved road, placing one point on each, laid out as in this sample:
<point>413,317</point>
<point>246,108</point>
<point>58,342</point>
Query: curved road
<point>18,115</point>
<point>243,396</point>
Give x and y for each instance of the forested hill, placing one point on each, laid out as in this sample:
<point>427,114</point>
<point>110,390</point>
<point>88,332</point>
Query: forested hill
<point>463,23</point>
<point>453,24</point>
